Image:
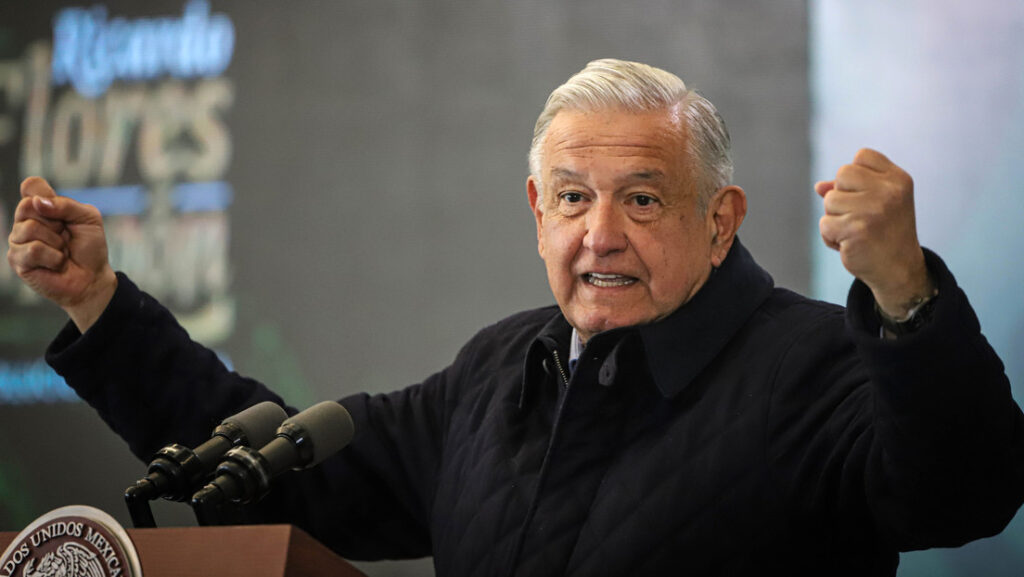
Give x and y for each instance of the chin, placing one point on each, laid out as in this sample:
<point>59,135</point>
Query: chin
<point>599,326</point>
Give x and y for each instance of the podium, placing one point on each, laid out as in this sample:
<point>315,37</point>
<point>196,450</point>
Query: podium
<point>234,551</point>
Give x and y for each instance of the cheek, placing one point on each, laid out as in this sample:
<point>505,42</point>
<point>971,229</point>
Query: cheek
<point>554,251</point>
<point>560,243</point>
<point>658,251</point>
<point>666,273</point>
<point>674,265</point>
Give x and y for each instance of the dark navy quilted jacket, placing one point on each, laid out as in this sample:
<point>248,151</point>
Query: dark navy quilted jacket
<point>752,432</point>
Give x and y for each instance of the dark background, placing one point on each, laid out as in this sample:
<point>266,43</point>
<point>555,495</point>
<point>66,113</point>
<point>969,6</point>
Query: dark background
<point>379,215</point>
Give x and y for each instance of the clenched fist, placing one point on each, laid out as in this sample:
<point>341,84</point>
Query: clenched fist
<point>869,219</point>
<point>58,248</point>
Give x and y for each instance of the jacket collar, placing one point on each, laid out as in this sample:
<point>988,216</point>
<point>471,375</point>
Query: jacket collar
<point>554,336</point>
<point>678,347</point>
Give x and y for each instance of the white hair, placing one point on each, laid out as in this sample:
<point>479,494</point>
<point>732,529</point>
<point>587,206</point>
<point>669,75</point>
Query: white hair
<point>620,85</point>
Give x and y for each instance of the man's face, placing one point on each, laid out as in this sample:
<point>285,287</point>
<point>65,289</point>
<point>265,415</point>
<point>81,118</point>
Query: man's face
<point>618,226</point>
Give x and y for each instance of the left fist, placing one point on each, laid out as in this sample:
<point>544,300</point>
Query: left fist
<point>869,219</point>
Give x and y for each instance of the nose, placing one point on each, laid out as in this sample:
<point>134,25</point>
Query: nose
<point>606,229</point>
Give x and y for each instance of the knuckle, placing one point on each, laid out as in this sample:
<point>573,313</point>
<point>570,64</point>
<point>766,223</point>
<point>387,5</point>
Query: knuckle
<point>38,254</point>
<point>29,228</point>
<point>24,205</point>
<point>876,204</point>
<point>859,228</point>
<point>906,182</point>
<point>16,258</point>
<point>832,204</point>
<point>24,231</point>
<point>33,250</point>
<point>828,227</point>
<point>893,198</point>
<point>92,212</point>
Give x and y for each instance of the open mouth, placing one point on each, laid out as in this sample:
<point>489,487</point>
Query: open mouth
<point>608,280</point>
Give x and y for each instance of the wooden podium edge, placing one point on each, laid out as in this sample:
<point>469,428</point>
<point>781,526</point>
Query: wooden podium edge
<point>311,557</point>
<point>231,551</point>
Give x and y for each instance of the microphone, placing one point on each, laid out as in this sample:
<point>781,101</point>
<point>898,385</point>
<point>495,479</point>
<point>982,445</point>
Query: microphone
<point>302,441</point>
<point>176,470</point>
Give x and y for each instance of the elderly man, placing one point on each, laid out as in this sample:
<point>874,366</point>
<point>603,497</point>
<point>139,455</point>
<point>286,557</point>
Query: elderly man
<point>675,413</point>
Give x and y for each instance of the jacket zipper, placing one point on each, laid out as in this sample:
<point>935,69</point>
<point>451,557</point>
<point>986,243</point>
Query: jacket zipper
<point>561,371</point>
<point>531,510</point>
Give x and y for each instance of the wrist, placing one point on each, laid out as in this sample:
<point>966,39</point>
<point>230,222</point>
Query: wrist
<point>902,307</point>
<point>903,289</point>
<point>918,314</point>
<point>87,310</point>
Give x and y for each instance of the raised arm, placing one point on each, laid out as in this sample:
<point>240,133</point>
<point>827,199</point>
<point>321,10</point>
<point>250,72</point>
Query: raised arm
<point>938,441</point>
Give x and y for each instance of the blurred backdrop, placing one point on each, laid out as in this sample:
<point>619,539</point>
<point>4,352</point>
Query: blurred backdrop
<point>332,194</point>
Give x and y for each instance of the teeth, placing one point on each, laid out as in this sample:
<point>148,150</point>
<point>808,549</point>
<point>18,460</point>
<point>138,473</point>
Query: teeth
<point>609,280</point>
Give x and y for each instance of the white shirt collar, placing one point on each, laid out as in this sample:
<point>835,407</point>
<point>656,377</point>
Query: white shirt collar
<point>575,349</point>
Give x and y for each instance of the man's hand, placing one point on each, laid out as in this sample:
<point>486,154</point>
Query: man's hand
<point>869,219</point>
<point>57,246</point>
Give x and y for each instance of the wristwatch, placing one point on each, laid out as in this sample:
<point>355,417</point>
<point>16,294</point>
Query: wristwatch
<point>918,316</point>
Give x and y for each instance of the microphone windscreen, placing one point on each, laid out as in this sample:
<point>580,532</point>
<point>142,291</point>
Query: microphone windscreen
<point>328,427</point>
<point>259,423</point>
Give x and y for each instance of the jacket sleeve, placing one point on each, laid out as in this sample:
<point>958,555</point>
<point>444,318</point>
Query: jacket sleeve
<point>153,385</point>
<point>147,379</point>
<point>904,444</point>
<point>950,467</point>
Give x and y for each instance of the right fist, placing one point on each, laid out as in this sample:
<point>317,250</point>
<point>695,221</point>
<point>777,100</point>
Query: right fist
<point>58,248</point>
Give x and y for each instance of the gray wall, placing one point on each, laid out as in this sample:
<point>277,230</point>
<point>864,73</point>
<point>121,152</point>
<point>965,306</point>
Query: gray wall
<point>386,200</point>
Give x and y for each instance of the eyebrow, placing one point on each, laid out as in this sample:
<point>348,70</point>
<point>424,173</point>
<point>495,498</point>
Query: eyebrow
<point>565,174</point>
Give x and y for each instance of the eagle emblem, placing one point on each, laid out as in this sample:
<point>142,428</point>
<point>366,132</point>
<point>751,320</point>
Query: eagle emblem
<point>69,560</point>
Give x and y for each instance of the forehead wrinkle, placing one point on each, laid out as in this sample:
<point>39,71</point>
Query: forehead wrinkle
<point>574,148</point>
<point>570,145</point>
<point>645,175</point>
<point>559,173</point>
<point>570,137</point>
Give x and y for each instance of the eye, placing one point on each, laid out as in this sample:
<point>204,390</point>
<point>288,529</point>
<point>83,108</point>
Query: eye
<point>644,200</point>
<point>571,203</point>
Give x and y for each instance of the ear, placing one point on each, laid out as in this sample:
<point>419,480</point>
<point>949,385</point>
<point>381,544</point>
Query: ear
<point>533,194</point>
<point>725,214</point>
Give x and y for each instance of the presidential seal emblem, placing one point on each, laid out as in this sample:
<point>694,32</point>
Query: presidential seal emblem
<point>74,541</point>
